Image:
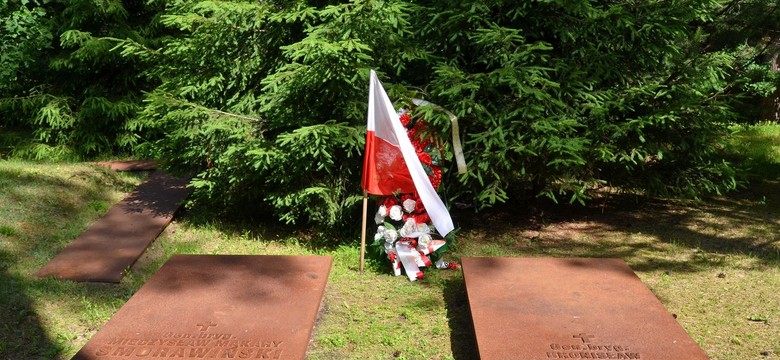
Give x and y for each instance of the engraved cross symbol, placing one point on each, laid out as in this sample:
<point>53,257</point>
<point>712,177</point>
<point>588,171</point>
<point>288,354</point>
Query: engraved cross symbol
<point>585,337</point>
<point>206,326</point>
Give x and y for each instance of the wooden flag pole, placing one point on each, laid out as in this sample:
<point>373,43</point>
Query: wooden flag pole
<point>363,232</point>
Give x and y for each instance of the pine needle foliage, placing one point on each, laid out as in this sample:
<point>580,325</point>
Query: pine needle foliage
<point>266,100</point>
<point>560,98</point>
<point>73,91</point>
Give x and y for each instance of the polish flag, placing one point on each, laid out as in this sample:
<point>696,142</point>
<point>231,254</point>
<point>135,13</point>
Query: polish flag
<point>391,165</point>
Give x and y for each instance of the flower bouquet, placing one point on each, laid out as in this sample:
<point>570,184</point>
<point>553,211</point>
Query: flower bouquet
<point>405,232</point>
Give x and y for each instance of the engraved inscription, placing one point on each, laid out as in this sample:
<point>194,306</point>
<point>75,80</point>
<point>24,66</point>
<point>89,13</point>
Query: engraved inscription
<point>584,337</point>
<point>589,350</point>
<point>206,326</point>
<point>201,345</point>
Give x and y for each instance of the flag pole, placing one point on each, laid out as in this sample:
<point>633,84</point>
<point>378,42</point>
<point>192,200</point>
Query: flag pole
<point>363,232</point>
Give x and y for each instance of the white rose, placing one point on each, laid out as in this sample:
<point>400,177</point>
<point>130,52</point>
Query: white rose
<point>379,218</point>
<point>396,213</point>
<point>380,233</point>
<point>423,228</point>
<point>382,210</point>
<point>423,241</point>
<point>390,235</point>
<point>409,205</point>
<point>409,228</point>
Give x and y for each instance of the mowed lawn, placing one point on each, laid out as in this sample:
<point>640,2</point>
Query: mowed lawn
<point>714,264</point>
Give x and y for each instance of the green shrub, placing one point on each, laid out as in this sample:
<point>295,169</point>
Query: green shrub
<point>266,100</point>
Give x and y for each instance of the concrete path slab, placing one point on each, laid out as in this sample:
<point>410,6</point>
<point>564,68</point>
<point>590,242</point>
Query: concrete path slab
<point>218,306</point>
<point>114,242</point>
<point>545,308</point>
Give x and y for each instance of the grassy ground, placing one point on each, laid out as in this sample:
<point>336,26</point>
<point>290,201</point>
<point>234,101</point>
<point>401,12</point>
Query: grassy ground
<point>758,147</point>
<point>714,264</point>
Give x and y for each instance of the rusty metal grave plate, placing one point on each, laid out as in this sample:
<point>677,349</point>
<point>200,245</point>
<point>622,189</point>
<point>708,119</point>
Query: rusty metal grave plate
<point>218,306</point>
<point>575,308</point>
<point>116,240</point>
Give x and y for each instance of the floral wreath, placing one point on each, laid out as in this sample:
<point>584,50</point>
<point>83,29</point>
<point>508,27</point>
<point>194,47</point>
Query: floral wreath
<point>405,232</point>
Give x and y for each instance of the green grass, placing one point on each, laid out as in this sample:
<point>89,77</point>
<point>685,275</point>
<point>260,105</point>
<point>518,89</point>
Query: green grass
<point>715,264</point>
<point>42,208</point>
<point>757,147</point>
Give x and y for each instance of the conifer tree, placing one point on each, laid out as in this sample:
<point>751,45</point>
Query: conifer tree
<point>76,94</point>
<point>266,100</point>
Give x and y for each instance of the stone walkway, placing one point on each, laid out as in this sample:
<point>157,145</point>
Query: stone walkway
<point>113,243</point>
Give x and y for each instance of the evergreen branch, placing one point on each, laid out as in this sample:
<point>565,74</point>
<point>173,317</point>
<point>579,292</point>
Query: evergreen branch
<point>120,41</point>
<point>15,98</point>
<point>29,97</point>
<point>220,112</point>
<point>211,111</point>
<point>727,8</point>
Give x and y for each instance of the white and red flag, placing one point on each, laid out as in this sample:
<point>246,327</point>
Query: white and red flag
<point>391,164</point>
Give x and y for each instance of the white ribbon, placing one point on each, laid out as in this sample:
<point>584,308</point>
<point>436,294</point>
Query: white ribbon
<point>410,258</point>
<point>456,146</point>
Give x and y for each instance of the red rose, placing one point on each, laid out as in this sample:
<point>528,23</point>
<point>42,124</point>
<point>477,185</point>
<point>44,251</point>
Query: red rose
<point>388,202</point>
<point>419,207</point>
<point>436,177</point>
<point>436,171</point>
<point>421,218</point>
<point>412,134</point>
<point>417,146</point>
<point>435,183</point>
<point>420,126</point>
<point>405,119</point>
<point>424,157</point>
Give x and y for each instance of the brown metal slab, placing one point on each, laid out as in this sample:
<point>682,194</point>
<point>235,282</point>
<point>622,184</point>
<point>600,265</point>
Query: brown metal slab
<point>576,308</point>
<point>129,165</point>
<point>114,242</point>
<point>218,306</point>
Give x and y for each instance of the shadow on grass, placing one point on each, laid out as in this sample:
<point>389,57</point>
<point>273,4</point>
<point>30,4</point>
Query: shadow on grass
<point>22,335</point>
<point>660,234</point>
<point>743,223</point>
<point>263,226</point>
<point>43,211</point>
<point>462,339</point>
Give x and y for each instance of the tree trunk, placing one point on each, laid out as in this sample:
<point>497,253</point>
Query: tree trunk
<point>770,109</point>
